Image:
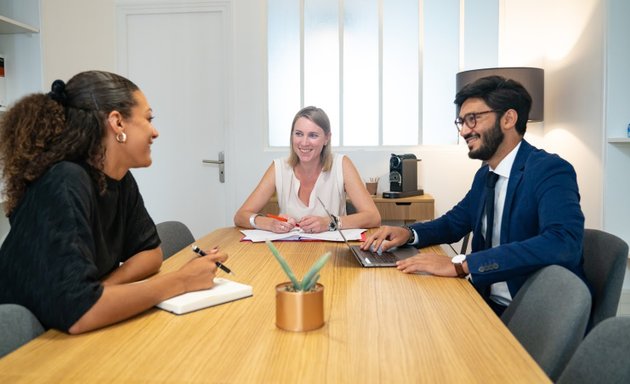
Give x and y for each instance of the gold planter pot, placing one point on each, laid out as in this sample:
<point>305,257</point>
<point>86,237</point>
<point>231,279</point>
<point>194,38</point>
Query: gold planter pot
<point>299,311</point>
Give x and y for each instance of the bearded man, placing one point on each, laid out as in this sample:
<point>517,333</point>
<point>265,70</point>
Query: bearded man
<point>523,207</point>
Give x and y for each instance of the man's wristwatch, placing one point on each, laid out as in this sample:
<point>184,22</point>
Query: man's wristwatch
<point>334,223</point>
<point>458,262</point>
<point>412,235</point>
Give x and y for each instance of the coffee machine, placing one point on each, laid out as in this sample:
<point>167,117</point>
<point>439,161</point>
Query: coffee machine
<point>403,176</point>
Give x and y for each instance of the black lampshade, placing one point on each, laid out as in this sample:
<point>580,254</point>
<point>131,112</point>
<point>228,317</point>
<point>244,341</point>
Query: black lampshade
<point>533,79</point>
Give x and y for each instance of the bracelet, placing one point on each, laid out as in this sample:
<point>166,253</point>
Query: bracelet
<point>339,222</point>
<point>252,220</point>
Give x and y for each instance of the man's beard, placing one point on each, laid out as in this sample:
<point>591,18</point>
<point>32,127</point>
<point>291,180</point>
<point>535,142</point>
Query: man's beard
<point>490,142</point>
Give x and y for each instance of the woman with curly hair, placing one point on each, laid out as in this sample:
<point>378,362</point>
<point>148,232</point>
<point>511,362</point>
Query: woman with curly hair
<point>80,233</point>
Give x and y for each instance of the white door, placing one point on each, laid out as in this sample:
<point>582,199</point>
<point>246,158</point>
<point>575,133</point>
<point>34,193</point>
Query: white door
<point>178,57</point>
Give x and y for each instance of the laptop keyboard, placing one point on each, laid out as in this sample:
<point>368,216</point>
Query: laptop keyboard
<point>376,258</point>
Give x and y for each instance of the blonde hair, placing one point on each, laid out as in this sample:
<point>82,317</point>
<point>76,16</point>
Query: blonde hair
<point>319,117</point>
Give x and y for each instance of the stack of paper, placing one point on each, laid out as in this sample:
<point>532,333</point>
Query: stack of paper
<point>224,290</point>
<point>258,235</point>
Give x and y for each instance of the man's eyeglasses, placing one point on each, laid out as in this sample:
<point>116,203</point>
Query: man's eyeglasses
<point>470,119</point>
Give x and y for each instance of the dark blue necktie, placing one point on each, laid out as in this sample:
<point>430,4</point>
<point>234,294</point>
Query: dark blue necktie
<point>491,180</point>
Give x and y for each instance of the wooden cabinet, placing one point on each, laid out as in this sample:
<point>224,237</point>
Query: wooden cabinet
<point>393,211</point>
<point>405,210</point>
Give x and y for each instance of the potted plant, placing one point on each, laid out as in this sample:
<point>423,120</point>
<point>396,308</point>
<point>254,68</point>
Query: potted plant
<point>299,304</point>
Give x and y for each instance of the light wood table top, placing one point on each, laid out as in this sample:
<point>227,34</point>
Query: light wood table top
<point>382,326</point>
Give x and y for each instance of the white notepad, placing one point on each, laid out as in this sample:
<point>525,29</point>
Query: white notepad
<point>224,290</point>
<point>259,235</point>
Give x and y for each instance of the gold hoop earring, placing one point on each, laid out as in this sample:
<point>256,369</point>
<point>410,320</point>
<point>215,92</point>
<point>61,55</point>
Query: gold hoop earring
<point>121,137</point>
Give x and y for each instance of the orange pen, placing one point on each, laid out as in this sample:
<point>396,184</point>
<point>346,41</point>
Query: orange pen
<point>280,218</point>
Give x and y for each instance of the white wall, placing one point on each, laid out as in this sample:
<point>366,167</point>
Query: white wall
<point>566,39</point>
<point>617,118</point>
<point>573,62</point>
<point>78,35</point>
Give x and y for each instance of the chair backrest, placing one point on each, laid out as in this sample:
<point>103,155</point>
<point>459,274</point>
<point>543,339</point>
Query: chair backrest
<point>605,258</point>
<point>18,326</point>
<point>465,241</point>
<point>175,236</point>
<point>603,355</point>
<point>350,208</point>
<point>548,316</point>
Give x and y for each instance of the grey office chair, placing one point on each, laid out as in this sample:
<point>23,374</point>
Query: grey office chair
<point>350,208</point>
<point>18,326</point>
<point>465,242</point>
<point>603,355</point>
<point>175,236</point>
<point>548,316</point>
<point>605,257</point>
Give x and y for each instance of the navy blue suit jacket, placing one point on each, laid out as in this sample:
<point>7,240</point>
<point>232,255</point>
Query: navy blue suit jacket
<point>542,222</point>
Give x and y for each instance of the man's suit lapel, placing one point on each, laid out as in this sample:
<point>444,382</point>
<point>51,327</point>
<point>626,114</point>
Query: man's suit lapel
<point>516,176</point>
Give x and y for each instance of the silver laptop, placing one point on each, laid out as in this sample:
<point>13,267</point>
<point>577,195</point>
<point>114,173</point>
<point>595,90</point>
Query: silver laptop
<point>382,259</point>
<point>370,259</point>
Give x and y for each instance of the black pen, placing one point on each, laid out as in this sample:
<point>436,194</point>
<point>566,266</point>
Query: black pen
<point>200,252</point>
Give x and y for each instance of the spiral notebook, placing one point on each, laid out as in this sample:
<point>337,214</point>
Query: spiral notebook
<point>224,291</point>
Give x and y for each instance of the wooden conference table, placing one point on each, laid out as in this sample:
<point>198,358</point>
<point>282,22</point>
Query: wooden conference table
<point>381,326</point>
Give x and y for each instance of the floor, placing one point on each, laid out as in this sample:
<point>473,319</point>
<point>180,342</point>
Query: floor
<point>624,301</point>
<point>624,304</point>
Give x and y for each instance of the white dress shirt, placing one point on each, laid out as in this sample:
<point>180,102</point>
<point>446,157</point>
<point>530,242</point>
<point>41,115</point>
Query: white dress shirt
<point>499,292</point>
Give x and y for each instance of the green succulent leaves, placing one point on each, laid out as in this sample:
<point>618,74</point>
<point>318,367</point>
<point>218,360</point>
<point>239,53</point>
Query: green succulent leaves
<point>311,277</point>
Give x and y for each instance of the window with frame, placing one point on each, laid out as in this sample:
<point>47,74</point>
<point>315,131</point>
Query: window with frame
<point>358,60</point>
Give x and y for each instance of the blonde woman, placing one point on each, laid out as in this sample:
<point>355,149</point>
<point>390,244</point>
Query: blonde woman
<point>311,174</point>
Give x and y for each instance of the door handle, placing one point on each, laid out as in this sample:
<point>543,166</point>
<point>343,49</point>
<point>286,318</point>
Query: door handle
<point>221,163</point>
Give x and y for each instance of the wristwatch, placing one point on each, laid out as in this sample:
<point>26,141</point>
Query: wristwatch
<point>334,223</point>
<point>412,235</point>
<point>458,262</point>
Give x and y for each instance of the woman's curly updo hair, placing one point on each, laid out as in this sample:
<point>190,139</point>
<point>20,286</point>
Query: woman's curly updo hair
<point>68,123</point>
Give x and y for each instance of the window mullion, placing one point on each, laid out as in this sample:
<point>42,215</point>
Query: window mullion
<point>341,72</point>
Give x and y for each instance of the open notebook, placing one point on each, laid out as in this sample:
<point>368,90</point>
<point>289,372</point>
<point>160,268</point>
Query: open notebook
<point>259,235</point>
<point>224,290</point>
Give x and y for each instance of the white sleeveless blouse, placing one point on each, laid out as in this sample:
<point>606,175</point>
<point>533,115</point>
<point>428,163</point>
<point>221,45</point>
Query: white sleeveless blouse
<point>328,187</point>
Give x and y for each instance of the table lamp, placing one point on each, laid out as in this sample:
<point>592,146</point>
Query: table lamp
<point>533,79</point>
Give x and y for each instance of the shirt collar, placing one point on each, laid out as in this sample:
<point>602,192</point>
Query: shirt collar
<point>505,166</point>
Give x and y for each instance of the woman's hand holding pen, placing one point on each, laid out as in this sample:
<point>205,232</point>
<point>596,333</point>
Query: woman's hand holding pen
<point>215,255</point>
<point>279,224</point>
<point>199,272</point>
<point>314,224</point>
